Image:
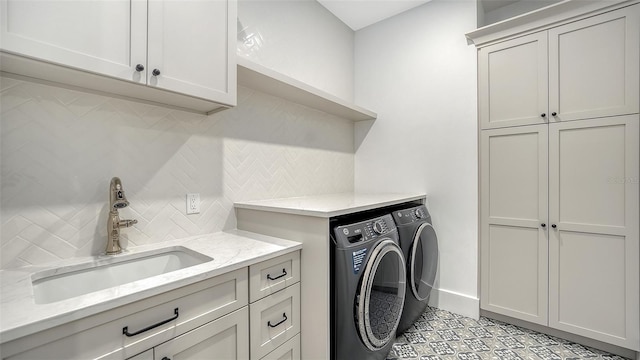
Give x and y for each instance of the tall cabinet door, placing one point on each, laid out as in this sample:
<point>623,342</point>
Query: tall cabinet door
<point>513,175</point>
<point>593,66</point>
<point>593,242</point>
<point>104,37</point>
<point>513,82</point>
<point>192,46</point>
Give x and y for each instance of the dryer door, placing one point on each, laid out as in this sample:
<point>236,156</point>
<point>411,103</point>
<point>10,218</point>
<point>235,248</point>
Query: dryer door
<point>381,293</point>
<point>423,261</point>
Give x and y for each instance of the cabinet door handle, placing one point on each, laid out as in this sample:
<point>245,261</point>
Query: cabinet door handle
<point>543,115</point>
<point>139,68</point>
<point>165,358</point>
<point>284,273</point>
<point>284,315</point>
<point>155,72</point>
<point>554,226</point>
<point>543,225</point>
<point>125,330</point>
<point>554,113</point>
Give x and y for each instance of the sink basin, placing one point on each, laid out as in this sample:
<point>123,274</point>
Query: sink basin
<point>67,282</point>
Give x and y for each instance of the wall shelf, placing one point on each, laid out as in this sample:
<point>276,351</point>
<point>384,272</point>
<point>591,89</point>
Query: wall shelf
<point>260,78</point>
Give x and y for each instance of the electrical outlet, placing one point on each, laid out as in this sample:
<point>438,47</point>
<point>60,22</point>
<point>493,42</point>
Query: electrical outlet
<point>193,203</point>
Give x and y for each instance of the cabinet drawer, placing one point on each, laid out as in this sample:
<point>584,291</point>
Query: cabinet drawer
<point>272,275</point>
<point>274,320</point>
<point>102,336</point>
<point>225,338</point>
<point>287,351</point>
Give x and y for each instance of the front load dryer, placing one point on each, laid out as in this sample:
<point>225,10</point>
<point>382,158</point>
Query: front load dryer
<point>420,248</point>
<point>369,289</point>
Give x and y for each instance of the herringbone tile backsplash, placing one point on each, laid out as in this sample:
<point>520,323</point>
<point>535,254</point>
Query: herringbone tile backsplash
<point>61,147</point>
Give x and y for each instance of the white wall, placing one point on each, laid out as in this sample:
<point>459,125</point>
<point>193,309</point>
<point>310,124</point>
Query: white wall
<point>515,9</point>
<point>301,39</point>
<point>417,71</point>
<point>60,148</point>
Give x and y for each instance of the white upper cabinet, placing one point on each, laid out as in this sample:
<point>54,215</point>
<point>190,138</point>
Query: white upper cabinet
<point>190,48</point>
<point>105,37</point>
<point>513,82</point>
<point>593,66</point>
<point>190,44</point>
<point>584,69</point>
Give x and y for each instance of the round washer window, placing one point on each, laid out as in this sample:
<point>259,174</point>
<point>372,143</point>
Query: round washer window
<point>381,296</point>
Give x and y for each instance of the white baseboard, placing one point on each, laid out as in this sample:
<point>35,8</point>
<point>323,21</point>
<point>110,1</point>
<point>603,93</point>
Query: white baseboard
<point>455,302</point>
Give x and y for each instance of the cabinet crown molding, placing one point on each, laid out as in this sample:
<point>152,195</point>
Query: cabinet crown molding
<point>542,19</point>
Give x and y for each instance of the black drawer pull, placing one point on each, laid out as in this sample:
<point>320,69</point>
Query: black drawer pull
<point>284,273</point>
<point>125,330</point>
<point>284,315</point>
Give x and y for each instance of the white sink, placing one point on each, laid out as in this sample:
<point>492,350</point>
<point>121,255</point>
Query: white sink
<point>105,272</point>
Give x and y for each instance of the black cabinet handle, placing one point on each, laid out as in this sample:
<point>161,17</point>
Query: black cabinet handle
<point>125,330</point>
<point>139,67</point>
<point>554,226</point>
<point>543,115</point>
<point>165,358</point>
<point>543,225</point>
<point>554,113</point>
<point>284,273</point>
<point>155,72</point>
<point>284,315</point>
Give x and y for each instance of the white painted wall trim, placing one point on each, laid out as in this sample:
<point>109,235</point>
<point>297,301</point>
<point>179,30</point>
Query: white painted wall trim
<point>455,302</point>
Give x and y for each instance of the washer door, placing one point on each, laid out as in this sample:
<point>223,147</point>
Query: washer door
<point>380,297</point>
<point>423,261</point>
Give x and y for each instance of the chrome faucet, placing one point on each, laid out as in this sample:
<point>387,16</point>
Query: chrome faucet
<point>117,200</point>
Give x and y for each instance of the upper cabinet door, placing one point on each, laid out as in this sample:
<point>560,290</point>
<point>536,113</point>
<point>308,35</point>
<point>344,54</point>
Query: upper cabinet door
<point>593,66</point>
<point>192,47</point>
<point>104,37</point>
<point>512,82</point>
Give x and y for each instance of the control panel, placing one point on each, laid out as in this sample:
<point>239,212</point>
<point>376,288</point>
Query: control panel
<point>410,215</point>
<point>365,230</point>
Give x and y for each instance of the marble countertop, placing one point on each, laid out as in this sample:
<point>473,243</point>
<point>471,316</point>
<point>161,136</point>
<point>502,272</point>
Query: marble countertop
<point>21,316</point>
<point>329,205</point>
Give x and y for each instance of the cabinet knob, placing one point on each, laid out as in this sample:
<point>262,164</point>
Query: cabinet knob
<point>543,225</point>
<point>554,226</point>
<point>554,113</point>
<point>165,358</point>
<point>155,72</point>
<point>543,115</point>
<point>139,68</point>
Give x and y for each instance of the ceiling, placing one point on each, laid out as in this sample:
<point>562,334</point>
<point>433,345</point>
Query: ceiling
<point>358,14</point>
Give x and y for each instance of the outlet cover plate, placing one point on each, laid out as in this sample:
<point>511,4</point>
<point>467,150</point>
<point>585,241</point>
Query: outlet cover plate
<point>193,203</point>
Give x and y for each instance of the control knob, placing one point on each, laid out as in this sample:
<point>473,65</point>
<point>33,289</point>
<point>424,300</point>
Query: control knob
<point>378,227</point>
<point>419,213</point>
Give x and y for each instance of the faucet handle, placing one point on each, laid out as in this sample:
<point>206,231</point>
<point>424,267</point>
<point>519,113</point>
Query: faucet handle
<point>127,223</point>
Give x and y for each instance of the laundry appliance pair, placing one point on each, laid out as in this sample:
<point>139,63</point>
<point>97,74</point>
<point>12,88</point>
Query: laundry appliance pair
<point>383,267</point>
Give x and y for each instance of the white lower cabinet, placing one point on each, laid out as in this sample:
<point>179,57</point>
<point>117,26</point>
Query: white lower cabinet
<point>559,243</point>
<point>274,320</point>
<point>274,311</point>
<point>209,319</point>
<point>224,339</point>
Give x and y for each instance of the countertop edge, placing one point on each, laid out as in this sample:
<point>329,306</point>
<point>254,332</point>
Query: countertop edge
<point>270,205</point>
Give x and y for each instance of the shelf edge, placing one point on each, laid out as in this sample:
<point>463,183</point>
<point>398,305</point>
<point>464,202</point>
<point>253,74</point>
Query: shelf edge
<point>258,77</point>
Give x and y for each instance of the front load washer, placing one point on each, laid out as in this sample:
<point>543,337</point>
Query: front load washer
<point>419,245</point>
<point>369,289</point>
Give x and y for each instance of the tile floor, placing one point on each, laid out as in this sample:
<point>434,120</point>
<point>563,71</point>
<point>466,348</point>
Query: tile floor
<point>441,335</point>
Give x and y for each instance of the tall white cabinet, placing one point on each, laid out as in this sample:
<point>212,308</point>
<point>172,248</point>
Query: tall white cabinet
<point>559,170</point>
